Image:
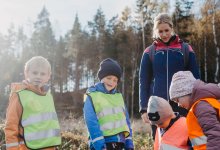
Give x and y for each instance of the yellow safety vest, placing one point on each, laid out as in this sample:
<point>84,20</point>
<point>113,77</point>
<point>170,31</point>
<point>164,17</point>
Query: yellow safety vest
<point>39,120</point>
<point>110,111</point>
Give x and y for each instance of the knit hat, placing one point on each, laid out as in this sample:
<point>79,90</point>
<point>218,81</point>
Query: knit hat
<point>181,84</point>
<point>109,67</point>
<point>158,110</point>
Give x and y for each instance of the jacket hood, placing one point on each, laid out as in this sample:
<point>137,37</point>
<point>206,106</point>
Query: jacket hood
<point>205,90</point>
<point>25,85</point>
<point>100,88</point>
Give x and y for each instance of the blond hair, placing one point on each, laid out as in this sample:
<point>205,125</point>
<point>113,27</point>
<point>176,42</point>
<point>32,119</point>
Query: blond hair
<point>161,18</point>
<point>37,60</point>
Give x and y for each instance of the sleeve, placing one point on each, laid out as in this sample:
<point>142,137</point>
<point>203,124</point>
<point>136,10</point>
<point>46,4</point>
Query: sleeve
<point>145,80</point>
<point>13,116</point>
<point>209,122</point>
<point>192,64</point>
<point>156,141</point>
<point>91,120</point>
<point>128,141</point>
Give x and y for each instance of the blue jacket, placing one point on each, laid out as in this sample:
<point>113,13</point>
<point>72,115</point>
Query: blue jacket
<point>155,77</point>
<point>96,138</point>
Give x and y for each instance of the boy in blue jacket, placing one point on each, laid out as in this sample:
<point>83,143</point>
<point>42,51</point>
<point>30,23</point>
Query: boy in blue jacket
<point>104,111</point>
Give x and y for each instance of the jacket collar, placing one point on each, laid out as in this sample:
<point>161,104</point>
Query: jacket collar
<point>173,41</point>
<point>25,85</point>
<point>101,88</point>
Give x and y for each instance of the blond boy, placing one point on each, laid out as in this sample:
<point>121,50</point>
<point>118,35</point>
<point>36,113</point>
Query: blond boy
<point>31,119</point>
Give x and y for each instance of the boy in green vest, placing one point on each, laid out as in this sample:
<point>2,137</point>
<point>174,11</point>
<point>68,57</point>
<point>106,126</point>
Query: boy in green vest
<point>105,113</point>
<point>31,119</point>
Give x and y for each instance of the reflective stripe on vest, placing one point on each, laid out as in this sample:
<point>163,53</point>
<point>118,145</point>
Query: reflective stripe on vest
<point>40,117</point>
<point>170,147</point>
<point>110,111</point>
<point>177,132</point>
<point>196,135</point>
<point>113,125</point>
<point>96,139</point>
<point>14,144</point>
<point>42,134</point>
<point>39,120</point>
<point>199,140</point>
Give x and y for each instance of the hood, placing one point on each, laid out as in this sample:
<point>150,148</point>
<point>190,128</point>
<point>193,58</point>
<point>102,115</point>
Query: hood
<point>100,88</point>
<point>205,90</point>
<point>25,85</point>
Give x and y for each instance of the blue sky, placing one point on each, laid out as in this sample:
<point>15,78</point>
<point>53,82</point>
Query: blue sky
<point>62,12</point>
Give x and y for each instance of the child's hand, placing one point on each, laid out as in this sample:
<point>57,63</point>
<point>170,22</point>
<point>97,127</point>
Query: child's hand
<point>145,118</point>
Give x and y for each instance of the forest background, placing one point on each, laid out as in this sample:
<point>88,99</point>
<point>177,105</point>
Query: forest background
<point>75,56</point>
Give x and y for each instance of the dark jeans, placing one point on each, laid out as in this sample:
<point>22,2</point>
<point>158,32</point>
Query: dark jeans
<point>154,129</point>
<point>115,146</point>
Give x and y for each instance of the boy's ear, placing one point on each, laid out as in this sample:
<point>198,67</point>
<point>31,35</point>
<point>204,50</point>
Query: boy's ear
<point>49,76</point>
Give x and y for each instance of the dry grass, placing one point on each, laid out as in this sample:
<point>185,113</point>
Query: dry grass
<point>142,135</point>
<point>74,134</point>
<point>74,125</point>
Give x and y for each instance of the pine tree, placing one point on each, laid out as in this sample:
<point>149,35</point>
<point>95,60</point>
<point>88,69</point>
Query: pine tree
<point>183,19</point>
<point>43,41</point>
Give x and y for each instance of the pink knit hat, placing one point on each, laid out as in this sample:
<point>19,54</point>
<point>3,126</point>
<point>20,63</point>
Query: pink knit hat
<point>181,84</point>
<point>159,110</point>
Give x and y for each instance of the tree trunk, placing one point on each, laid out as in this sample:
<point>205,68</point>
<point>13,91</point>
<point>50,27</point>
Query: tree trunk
<point>205,57</point>
<point>143,35</point>
<point>123,81</point>
<point>133,87</point>
<point>217,47</point>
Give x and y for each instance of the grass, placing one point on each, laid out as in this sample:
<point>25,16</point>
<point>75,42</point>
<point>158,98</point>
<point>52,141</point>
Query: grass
<point>74,134</point>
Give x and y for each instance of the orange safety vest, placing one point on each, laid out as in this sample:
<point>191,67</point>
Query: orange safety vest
<point>175,138</point>
<point>196,135</point>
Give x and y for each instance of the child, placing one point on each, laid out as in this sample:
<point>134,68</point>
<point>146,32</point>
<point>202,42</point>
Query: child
<point>104,111</point>
<point>202,101</point>
<point>171,130</point>
<point>31,119</point>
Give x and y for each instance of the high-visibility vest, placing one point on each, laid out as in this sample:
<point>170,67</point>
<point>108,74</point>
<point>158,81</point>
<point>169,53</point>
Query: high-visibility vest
<point>110,111</point>
<point>39,120</point>
<point>196,135</point>
<point>175,138</point>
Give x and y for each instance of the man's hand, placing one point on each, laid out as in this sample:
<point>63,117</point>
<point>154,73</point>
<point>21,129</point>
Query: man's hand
<point>145,118</point>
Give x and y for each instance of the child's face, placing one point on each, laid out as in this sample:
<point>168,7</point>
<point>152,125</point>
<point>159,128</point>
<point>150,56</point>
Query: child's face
<point>37,75</point>
<point>110,82</point>
<point>183,101</point>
